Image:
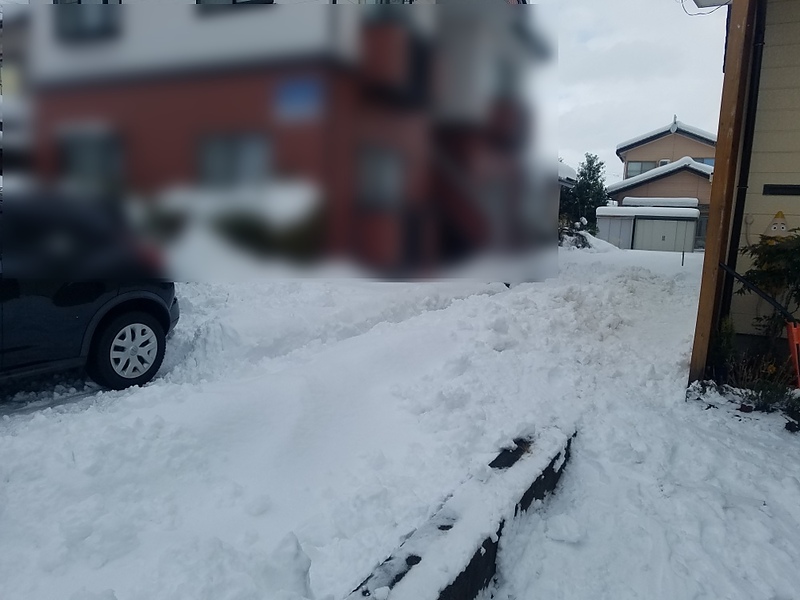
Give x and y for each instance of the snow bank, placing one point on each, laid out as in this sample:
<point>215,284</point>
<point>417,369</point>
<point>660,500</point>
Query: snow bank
<point>300,429</point>
<point>597,245</point>
<point>664,499</point>
<point>457,542</point>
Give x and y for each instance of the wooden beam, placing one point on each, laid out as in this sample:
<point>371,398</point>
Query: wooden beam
<point>732,112</point>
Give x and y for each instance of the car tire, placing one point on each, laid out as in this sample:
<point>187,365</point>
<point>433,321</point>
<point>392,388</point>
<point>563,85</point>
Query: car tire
<point>127,351</point>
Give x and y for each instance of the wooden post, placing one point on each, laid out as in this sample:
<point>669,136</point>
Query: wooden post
<point>732,112</point>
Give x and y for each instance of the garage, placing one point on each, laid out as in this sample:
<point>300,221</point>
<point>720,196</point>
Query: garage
<point>665,229</point>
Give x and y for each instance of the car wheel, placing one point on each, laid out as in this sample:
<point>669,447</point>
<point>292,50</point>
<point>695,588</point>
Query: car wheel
<point>128,351</point>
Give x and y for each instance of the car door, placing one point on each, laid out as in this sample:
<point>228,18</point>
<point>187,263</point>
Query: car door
<point>44,321</point>
<point>2,347</point>
<point>44,317</point>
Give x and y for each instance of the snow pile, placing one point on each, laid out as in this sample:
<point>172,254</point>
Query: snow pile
<point>300,429</point>
<point>595,245</point>
<point>663,498</point>
<point>480,505</point>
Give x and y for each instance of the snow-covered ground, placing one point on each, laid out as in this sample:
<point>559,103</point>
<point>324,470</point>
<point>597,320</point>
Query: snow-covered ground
<point>299,429</point>
<point>663,498</point>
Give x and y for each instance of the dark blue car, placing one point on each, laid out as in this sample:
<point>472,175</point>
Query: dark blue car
<point>76,291</point>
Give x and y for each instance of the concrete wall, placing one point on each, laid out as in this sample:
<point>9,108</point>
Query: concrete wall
<point>776,152</point>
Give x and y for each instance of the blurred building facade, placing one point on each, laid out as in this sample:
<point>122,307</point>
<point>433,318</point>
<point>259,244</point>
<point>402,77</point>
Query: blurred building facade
<point>17,143</point>
<point>411,120</point>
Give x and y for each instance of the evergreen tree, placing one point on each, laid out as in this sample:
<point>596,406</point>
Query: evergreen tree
<point>588,194</point>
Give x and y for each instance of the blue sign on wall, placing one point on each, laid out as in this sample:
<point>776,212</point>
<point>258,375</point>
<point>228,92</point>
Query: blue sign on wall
<point>300,99</point>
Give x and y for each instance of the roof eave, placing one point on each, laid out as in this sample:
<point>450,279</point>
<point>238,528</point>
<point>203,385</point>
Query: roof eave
<point>653,138</point>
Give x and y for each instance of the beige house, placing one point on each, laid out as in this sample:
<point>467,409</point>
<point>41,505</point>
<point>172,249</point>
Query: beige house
<point>758,157</point>
<point>674,161</point>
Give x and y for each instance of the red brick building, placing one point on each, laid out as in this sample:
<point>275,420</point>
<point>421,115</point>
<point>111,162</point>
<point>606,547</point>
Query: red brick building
<point>411,121</point>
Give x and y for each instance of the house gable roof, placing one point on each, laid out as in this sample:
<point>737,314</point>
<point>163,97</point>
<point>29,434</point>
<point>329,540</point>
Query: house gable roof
<point>677,127</point>
<point>684,164</point>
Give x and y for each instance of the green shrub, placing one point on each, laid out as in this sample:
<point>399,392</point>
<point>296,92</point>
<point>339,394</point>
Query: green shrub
<point>256,237</point>
<point>766,381</point>
<point>776,270</point>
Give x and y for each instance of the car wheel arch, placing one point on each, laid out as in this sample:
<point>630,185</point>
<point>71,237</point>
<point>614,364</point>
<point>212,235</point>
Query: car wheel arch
<point>142,301</point>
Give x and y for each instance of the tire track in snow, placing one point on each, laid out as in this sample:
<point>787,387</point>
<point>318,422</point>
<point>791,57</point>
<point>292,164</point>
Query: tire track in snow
<point>204,348</point>
<point>211,345</point>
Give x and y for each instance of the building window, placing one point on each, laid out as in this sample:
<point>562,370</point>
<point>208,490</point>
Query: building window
<point>299,99</point>
<point>78,20</point>
<point>638,167</point>
<point>381,178</point>
<point>663,162</point>
<point>705,161</point>
<point>234,160</point>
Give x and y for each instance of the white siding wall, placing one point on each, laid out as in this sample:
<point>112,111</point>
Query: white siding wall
<point>174,34</point>
<point>177,34</point>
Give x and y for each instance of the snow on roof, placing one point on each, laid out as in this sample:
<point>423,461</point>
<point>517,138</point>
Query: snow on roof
<point>685,162</point>
<point>648,211</point>
<point>673,202</point>
<point>674,127</point>
<point>566,172</point>
<point>282,204</point>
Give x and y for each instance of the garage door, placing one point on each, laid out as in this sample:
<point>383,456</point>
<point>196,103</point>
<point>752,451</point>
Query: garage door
<point>656,234</point>
<point>616,231</point>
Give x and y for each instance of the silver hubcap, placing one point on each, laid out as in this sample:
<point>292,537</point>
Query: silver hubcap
<point>134,351</point>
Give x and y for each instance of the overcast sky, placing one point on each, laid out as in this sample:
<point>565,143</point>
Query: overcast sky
<point>625,67</point>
